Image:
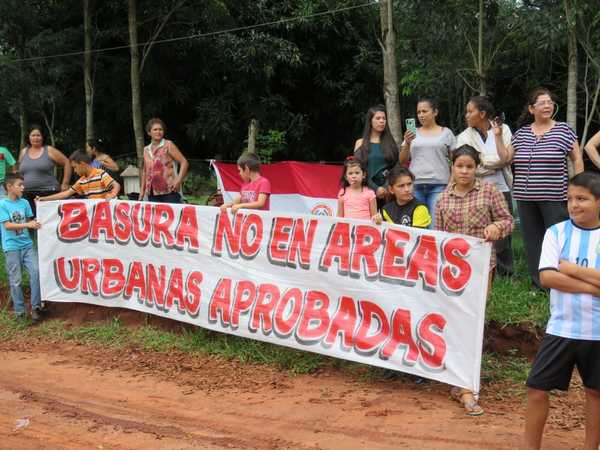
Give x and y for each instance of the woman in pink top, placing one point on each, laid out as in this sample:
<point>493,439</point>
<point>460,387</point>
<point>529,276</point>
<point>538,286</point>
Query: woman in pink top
<point>160,178</point>
<point>355,199</point>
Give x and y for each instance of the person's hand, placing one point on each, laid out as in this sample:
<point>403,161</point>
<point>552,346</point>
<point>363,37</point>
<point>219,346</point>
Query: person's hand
<point>496,127</point>
<point>377,219</point>
<point>492,232</point>
<point>235,208</point>
<point>33,225</point>
<point>141,196</point>
<point>566,267</point>
<point>224,206</point>
<point>175,187</point>
<point>38,198</point>
<point>380,192</point>
<point>409,136</point>
<point>64,187</point>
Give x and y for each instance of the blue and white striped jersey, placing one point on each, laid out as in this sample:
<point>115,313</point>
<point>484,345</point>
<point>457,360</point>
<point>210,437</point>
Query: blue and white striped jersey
<point>574,316</point>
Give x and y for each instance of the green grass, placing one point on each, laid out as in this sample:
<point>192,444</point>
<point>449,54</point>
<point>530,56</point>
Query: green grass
<point>512,301</point>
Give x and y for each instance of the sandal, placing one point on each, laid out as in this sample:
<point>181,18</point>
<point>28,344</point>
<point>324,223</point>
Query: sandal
<point>470,405</point>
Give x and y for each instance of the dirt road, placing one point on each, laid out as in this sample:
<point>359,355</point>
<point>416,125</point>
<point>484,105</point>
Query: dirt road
<point>80,397</point>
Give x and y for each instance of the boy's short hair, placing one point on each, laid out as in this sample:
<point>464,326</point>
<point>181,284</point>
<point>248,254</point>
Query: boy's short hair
<point>249,160</point>
<point>589,180</point>
<point>79,156</point>
<point>10,178</point>
<point>397,172</point>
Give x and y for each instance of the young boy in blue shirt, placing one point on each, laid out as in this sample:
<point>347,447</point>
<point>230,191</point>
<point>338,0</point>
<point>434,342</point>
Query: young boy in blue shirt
<point>570,267</point>
<point>16,220</point>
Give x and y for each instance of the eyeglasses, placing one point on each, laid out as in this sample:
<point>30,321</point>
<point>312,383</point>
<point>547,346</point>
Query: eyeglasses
<point>544,103</point>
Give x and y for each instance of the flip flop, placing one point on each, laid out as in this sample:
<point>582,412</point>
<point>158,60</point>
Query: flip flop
<point>471,407</point>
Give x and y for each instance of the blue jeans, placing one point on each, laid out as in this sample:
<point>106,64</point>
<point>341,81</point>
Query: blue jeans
<point>14,261</point>
<point>428,194</point>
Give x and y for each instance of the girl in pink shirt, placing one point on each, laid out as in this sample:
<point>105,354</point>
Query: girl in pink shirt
<point>355,199</point>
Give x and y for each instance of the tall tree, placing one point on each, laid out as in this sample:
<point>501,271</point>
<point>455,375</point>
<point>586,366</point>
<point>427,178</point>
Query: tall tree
<point>571,18</point>
<point>136,100</point>
<point>390,70</point>
<point>88,81</point>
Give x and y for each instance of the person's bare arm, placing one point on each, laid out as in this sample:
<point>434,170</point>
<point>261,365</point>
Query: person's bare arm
<point>32,225</point>
<point>576,158</point>
<point>62,195</point>
<point>142,181</point>
<point>591,148</point>
<point>565,283</point>
<point>340,211</point>
<point>588,274</point>
<point>257,204</point>
<point>108,163</point>
<point>357,144</point>
<point>183,166</point>
<point>59,158</point>
<point>114,191</point>
<point>404,154</point>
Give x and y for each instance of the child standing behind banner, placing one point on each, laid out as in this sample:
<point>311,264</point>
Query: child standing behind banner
<point>16,219</point>
<point>355,199</point>
<point>475,208</point>
<point>256,189</point>
<point>404,209</point>
<point>93,183</point>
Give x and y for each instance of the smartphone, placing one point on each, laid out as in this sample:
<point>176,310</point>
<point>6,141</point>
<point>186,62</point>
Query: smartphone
<point>411,125</point>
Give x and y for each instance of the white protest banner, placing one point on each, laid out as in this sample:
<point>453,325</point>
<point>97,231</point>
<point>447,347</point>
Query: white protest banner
<point>401,298</point>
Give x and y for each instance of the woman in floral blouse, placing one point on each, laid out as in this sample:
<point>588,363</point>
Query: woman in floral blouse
<point>164,166</point>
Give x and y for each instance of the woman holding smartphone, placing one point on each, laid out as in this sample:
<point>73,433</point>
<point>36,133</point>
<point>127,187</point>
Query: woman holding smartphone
<point>377,151</point>
<point>428,148</point>
<point>488,134</point>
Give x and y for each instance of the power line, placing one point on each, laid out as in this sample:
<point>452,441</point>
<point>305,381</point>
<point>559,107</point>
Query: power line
<point>200,35</point>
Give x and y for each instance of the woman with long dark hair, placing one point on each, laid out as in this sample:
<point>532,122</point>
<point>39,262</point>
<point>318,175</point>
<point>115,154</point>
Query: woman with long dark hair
<point>487,134</point>
<point>377,150</point>
<point>539,150</point>
<point>429,152</point>
<point>100,159</point>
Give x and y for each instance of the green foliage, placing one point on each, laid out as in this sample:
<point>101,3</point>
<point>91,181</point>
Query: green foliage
<point>270,144</point>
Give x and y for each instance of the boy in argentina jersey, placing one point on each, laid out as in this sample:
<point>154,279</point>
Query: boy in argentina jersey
<point>570,267</point>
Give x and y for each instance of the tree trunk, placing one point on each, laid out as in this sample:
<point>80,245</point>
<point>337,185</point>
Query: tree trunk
<point>390,73</point>
<point>136,104</point>
<point>480,70</point>
<point>87,71</point>
<point>23,122</point>
<point>571,18</point>
<point>22,103</point>
<point>252,132</point>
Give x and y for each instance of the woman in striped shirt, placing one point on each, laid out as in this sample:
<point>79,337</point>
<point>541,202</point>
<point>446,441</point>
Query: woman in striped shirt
<point>539,151</point>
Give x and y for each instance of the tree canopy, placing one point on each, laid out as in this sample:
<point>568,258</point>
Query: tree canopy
<point>210,67</point>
